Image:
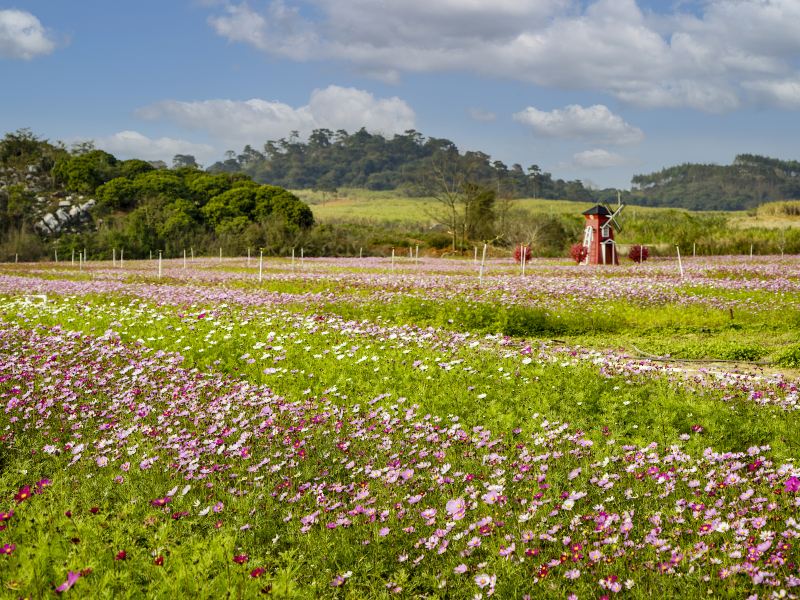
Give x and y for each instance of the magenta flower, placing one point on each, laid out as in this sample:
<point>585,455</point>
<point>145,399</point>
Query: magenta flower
<point>23,494</point>
<point>240,559</point>
<point>72,577</point>
<point>5,516</point>
<point>338,581</point>
<point>792,484</point>
<point>161,501</point>
<point>121,555</point>
<point>8,549</point>
<point>257,572</point>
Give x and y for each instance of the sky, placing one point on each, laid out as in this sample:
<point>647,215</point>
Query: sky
<point>596,90</point>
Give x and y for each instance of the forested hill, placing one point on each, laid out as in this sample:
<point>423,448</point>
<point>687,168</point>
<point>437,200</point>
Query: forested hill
<point>329,160</point>
<point>751,180</point>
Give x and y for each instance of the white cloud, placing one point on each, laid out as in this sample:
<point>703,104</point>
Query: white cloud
<point>598,159</point>
<point>132,144</point>
<point>681,59</point>
<point>784,93</point>
<point>479,114</point>
<point>22,35</point>
<point>595,123</point>
<point>254,121</point>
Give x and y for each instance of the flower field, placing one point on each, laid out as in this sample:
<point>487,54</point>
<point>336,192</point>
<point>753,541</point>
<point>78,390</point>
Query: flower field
<point>371,429</point>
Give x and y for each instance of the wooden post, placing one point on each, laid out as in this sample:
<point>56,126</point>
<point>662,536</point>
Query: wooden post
<point>410,254</point>
<point>641,253</point>
<point>248,257</point>
<point>220,254</point>
<point>751,250</point>
<point>694,249</point>
<point>475,258</point>
<point>680,264</point>
<point>159,264</point>
<point>56,251</point>
<point>392,259</point>
<point>184,259</point>
<point>360,252</point>
<point>16,258</point>
<point>191,248</point>
<point>113,257</point>
<point>524,258</point>
<point>302,258</point>
<point>416,252</point>
<point>80,261</point>
<point>292,259</point>
<point>73,257</point>
<point>151,255</point>
<point>260,264</point>
<point>483,261</point>
<point>121,256</point>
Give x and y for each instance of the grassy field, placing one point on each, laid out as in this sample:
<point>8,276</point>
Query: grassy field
<point>361,429</point>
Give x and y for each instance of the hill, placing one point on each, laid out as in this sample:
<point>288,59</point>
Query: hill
<point>750,181</point>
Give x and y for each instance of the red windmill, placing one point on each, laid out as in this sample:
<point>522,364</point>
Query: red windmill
<point>598,236</point>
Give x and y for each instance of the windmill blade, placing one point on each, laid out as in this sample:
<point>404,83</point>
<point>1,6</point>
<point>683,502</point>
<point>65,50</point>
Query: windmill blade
<point>613,218</point>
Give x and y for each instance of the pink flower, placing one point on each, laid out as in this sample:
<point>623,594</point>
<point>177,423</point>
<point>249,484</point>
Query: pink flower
<point>218,507</point>
<point>72,577</point>
<point>792,484</point>
<point>8,549</point>
<point>257,572</point>
<point>456,508</point>
<point>462,568</point>
<point>240,559</point>
<point>158,502</point>
<point>121,555</point>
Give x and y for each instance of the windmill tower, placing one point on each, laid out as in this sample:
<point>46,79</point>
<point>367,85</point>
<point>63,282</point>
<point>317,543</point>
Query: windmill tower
<point>598,235</point>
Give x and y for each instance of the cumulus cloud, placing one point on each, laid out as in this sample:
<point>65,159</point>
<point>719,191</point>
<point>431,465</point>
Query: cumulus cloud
<point>702,60</point>
<point>595,123</point>
<point>23,36</point>
<point>598,158</point>
<point>239,122</point>
<point>132,144</point>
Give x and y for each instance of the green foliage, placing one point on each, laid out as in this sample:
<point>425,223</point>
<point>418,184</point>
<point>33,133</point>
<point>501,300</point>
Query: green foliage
<point>84,173</point>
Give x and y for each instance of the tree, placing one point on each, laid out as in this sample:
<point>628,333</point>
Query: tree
<point>84,173</point>
<point>184,160</point>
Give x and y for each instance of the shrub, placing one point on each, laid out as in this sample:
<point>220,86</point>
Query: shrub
<point>518,253</point>
<point>578,252</point>
<point>638,253</point>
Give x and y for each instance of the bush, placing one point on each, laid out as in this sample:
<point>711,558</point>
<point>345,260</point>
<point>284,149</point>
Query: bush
<point>638,253</point>
<point>578,252</point>
<point>518,253</point>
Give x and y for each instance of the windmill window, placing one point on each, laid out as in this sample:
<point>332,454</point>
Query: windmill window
<point>604,230</point>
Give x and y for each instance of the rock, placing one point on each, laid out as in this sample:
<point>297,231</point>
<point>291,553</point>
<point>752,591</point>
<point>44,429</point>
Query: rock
<point>64,204</point>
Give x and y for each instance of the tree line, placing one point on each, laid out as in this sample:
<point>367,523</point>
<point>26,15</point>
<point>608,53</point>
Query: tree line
<point>139,207</point>
<point>329,160</point>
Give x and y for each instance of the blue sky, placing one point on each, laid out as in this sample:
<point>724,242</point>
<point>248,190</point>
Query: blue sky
<point>595,90</point>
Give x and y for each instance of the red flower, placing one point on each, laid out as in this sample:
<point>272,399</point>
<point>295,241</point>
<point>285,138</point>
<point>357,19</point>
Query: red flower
<point>8,549</point>
<point>257,572</point>
<point>94,510</point>
<point>121,555</point>
<point>240,559</point>
<point>161,501</point>
<point>159,560</point>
